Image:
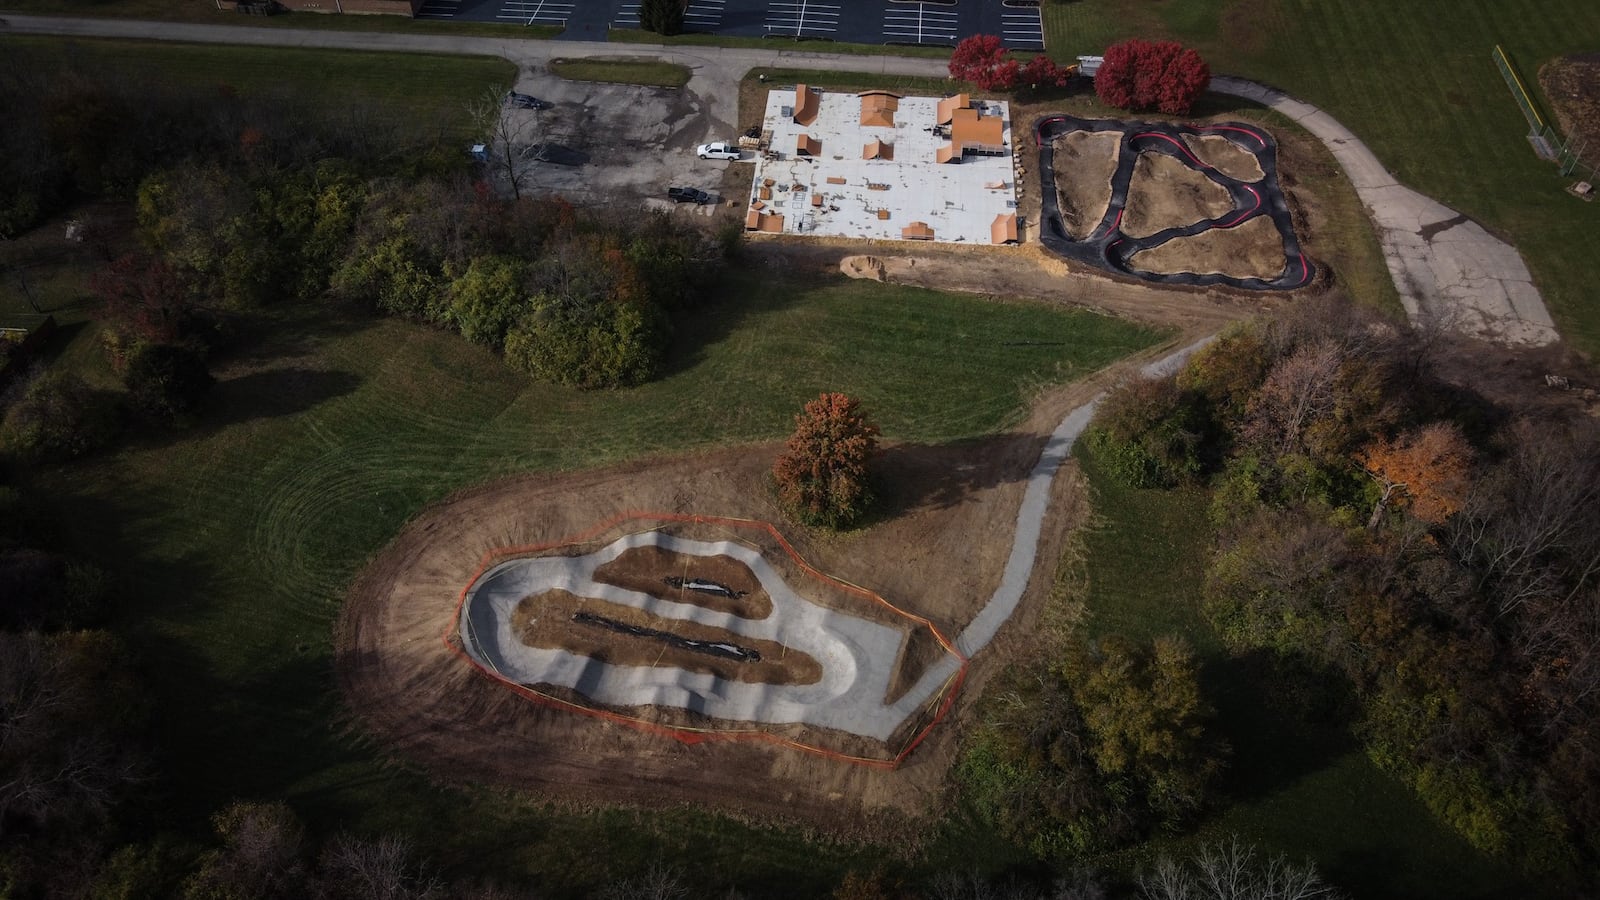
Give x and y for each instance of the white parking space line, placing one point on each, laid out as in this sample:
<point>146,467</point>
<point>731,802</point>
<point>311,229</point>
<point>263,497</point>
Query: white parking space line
<point>701,14</point>
<point>801,16</point>
<point>439,9</point>
<point>1023,29</point>
<point>918,23</point>
<point>531,12</point>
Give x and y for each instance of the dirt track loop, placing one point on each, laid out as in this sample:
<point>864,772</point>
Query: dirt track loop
<point>1108,247</point>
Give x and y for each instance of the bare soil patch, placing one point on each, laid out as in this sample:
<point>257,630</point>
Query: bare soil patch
<point>648,570</point>
<point>1030,271</point>
<point>1572,84</point>
<point>1226,157</point>
<point>1252,250</point>
<point>546,621</point>
<point>1165,193</point>
<point>1084,164</point>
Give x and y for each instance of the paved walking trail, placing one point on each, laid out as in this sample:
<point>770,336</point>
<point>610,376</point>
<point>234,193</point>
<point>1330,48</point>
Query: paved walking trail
<point>1447,269</point>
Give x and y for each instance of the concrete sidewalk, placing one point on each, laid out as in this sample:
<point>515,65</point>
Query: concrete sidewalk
<point>1446,268</point>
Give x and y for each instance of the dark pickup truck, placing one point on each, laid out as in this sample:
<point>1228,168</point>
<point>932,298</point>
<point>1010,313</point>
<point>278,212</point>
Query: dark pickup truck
<point>688,195</point>
<point>525,101</point>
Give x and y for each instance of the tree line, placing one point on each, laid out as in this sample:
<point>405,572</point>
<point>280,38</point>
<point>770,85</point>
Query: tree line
<point>246,202</point>
<point>1396,539</point>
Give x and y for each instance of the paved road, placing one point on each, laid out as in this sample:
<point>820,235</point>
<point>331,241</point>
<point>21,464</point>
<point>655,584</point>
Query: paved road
<point>1446,268</point>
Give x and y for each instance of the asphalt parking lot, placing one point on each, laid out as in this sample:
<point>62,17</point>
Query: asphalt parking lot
<point>871,22</point>
<point>601,144</point>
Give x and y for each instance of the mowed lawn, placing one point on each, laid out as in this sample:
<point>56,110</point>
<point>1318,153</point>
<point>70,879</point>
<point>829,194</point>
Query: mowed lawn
<point>1415,81</point>
<point>1302,789</point>
<point>412,86</point>
<point>233,543</point>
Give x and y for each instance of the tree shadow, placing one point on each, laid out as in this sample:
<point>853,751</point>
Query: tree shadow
<point>274,393</point>
<point>909,477</point>
<point>292,330</point>
<point>1285,718</point>
<point>754,284</point>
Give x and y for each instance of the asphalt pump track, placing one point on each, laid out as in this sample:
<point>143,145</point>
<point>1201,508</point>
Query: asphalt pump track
<point>1107,247</point>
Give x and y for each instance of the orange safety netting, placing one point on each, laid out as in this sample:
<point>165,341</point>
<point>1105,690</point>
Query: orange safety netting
<point>690,734</point>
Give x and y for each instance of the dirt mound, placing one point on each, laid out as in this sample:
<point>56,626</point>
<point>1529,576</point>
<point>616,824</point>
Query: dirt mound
<point>1252,250</point>
<point>1226,157</point>
<point>725,585</point>
<point>1165,193</point>
<point>869,267</point>
<point>1573,85</point>
<point>552,620</point>
<point>1084,162</point>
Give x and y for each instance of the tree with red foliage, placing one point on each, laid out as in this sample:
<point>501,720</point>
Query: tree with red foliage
<point>143,299</point>
<point>981,59</point>
<point>1160,75</point>
<point>1042,71</point>
<point>821,476</point>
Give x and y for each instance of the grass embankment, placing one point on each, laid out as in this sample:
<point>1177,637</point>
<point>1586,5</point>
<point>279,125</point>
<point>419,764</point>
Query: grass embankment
<point>235,542</point>
<point>649,72</point>
<point>1305,790</point>
<point>414,86</point>
<point>1416,83</point>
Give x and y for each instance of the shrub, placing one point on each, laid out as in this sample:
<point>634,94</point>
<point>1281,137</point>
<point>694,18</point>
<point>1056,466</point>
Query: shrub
<point>1148,433</point>
<point>58,416</point>
<point>662,16</point>
<point>1095,751</point>
<point>611,345</point>
<point>489,298</point>
<point>1159,75</point>
<point>822,475</point>
<point>167,382</point>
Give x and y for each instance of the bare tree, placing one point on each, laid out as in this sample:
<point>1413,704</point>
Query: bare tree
<point>353,869</point>
<point>511,136</point>
<point>659,882</point>
<point>58,757</point>
<point>1231,870</point>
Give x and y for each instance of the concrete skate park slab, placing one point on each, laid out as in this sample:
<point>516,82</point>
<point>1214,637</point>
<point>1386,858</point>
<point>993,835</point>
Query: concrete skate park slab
<point>858,656</point>
<point>959,201</point>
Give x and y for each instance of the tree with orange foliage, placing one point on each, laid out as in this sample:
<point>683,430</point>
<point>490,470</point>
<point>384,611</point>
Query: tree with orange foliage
<point>1429,467</point>
<point>821,476</point>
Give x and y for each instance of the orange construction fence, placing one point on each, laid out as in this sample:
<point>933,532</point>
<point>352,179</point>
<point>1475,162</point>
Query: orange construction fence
<point>689,734</point>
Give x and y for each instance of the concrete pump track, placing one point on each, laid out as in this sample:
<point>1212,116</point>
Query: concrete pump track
<point>1107,247</point>
<point>857,652</point>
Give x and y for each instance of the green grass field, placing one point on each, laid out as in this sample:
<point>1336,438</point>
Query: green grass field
<point>239,538</point>
<point>1304,790</point>
<point>1415,81</point>
<point>409,84</point>
<point>653,73</point>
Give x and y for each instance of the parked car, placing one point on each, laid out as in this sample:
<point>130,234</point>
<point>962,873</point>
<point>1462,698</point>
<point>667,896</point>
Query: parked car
<point>525,101</point>
<point>689,195</point>
<point>718,150</point>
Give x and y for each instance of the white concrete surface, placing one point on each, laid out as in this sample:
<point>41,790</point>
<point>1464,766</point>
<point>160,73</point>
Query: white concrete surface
<point>856,655</point>
<point>1447,268</point>
<point>952,198</point>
